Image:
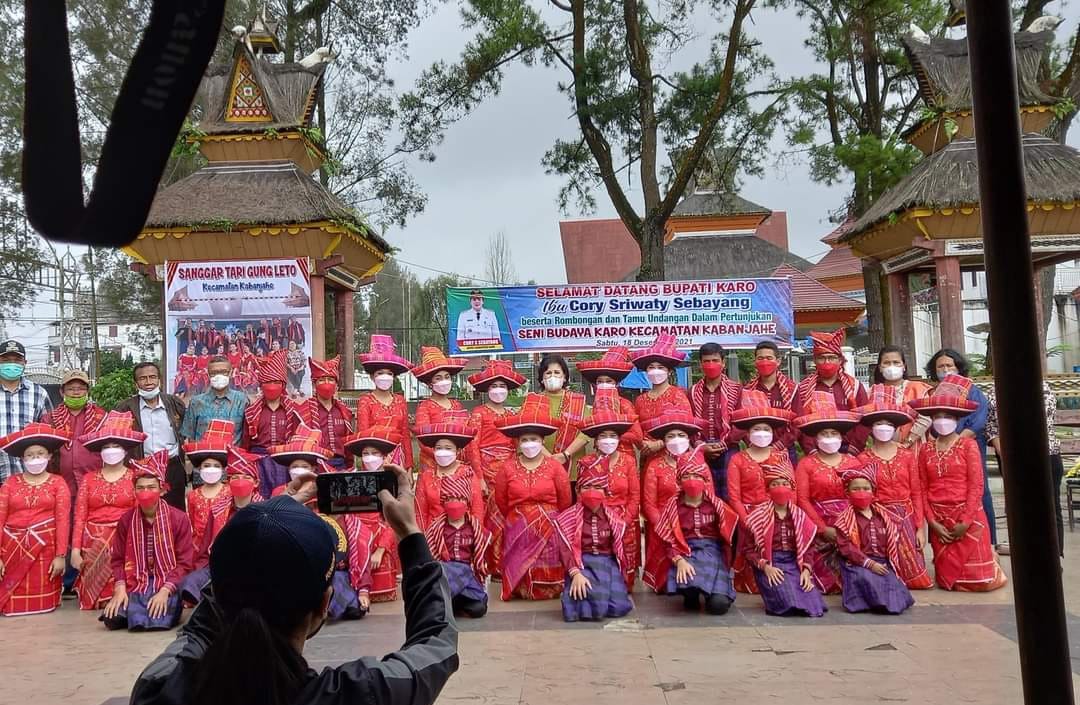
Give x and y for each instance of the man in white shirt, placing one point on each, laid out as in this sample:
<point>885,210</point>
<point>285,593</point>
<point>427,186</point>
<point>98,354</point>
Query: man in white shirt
<point>477,323</point>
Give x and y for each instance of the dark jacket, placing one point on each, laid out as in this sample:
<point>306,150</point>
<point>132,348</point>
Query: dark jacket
<point>173,405</point>
<point>414,675</point>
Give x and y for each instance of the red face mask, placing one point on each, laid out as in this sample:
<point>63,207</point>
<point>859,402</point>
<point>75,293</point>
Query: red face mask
<point>591,499</point>
<point>861,499</point>
<point>456,510</point>
<point>693,486</point>
<point>272,391</point>
<point>712,369</point>
<point>781,494</point>
<point>147,498</point>
<point>828,370</point>
<point>326,390</point>
<point>766,367</point>
<point>241,487</point>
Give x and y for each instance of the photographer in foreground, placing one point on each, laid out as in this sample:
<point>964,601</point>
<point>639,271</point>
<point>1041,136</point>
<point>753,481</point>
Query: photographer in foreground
<point>270,573</point>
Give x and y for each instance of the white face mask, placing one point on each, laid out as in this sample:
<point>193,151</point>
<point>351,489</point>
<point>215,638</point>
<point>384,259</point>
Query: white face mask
<point>299,472</point>
<point>761,438</point>
<point>607,446</point>
<point>371,461</point>
<point>553,384</point>
<point>219,382</point>
<point>149,394</point>
<point>884,432</point>
<point>36,466</point>
<point>945,425</point>
<point>384,381</point>
<point>606,385</point>
<point>531,449</point>
<point>657,376</point>
<point>443,386</point>
<point>445,457</point>
<point>829,444</point>
<point>892,373</point>
<point>498,395</point>
<point>113,456</point>
<point>210,474</point>
<point>677,445</point>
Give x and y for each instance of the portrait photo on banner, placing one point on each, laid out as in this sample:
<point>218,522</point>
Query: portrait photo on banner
<point>240,309</point>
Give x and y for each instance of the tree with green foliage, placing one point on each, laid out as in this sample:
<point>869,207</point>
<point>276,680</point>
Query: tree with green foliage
<point>114,387</point>
<point>628,101</point>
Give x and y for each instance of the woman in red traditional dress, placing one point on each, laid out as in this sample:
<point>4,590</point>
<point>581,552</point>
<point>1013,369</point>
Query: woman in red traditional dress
<point>382,407</point>
<point>952,477</point>
<point>658,362</point>
<point>898,487</point>
<point>186,373</point>
<point>35,521</point>
<point>208,456</point>
<point>437,371</point>
<point>448,441</point>
<point>818,484</point>
<point>763,423</point>
<point>375,446</point>
<point>202,373</point>
<point>658,484</point>
<point>531,488</point>
<point>604,375</point>
<point>568,409</point>
<point>623,484</point>
<point>104,496</point>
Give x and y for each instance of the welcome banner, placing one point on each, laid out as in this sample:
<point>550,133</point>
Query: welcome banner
<point>736,313</point>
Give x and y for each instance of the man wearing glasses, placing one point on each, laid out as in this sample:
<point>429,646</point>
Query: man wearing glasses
<point>159,416</point>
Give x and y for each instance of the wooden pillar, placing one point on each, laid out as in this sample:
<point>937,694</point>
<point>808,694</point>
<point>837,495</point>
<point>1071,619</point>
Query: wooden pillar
<point>344,317</point>
<point>950,304</point>
<point>318,316</point>
<point>901,326</point>
<point>1040,318</point>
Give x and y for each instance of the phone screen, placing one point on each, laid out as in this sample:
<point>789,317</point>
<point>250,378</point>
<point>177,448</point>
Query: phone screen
<point>348,492</point>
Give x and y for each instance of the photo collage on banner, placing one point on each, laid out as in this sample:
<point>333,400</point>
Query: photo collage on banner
<point>242,309</point>
<point>736,313</point>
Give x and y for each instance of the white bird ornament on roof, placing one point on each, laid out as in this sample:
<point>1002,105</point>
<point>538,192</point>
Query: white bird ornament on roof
<point>322,55</point>
<point>918,34</point>
<point>1044,24</point>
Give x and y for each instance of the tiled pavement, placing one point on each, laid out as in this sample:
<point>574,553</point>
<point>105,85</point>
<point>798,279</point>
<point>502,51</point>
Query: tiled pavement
<point>950,648</point>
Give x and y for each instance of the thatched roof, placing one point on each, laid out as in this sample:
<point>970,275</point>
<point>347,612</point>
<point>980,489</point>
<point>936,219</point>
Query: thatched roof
<point>949,178</point>
<point>957,14</point>
<point>251,193</point>
<point>945,76</point>
<point>716,203</point>
<point>289,89</point>
<point>724,257</point>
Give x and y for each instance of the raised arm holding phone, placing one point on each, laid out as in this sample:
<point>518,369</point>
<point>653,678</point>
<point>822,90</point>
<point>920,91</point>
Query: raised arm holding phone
<point>270,591</point>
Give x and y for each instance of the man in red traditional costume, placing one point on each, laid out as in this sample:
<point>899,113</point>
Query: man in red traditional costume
<point>437,371</point>
<point>382,407</point>
<point>270,419</point>
<point>325,412</point>
<point>829,376</point>
<point>151,554</point>
<point>458,539</point>
<point>76,417</point>
<point>35,521</point>
<point>592,543</point>
<point>778,387</point>
<point>713,399</point>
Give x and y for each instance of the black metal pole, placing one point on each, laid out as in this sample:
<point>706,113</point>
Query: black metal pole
<point>1040,608</point>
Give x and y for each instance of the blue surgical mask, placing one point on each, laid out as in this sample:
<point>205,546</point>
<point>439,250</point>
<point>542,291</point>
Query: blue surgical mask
<point>941,375</point>
<point>11,371</point>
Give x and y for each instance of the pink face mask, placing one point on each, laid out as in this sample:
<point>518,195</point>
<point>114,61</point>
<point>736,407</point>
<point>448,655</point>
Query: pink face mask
<point>607,446</point>
<point>371,461</point>
<point>383,382</point>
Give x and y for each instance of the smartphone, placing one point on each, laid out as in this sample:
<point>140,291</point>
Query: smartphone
<point>349,492</point>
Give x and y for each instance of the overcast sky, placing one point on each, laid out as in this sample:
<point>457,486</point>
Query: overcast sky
<point>488,176</point>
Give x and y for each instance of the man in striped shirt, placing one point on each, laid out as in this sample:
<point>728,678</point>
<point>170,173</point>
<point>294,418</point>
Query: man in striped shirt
<point>21,401</point>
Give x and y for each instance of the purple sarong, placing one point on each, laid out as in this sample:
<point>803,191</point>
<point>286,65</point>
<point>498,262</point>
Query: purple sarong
<point>463,582</point>
<point>608,596</point>
<point>788,599</point>
<point>711,573</point>
<point>864,591</point>
<point>344,597</point>
<point>192,585</point>
<point>137,618</point>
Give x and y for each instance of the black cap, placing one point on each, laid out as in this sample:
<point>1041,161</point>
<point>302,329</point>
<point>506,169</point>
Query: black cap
<point>271,555</point>
<point>12,346</point>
